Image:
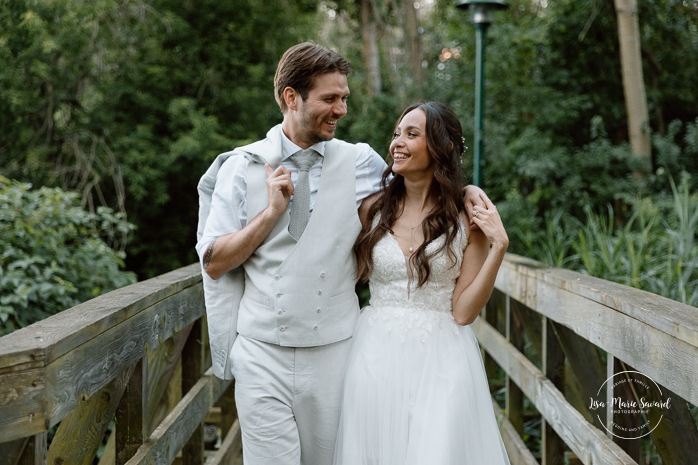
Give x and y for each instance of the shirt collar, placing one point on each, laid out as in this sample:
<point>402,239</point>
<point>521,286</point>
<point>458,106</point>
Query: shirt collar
<point>289,148</point>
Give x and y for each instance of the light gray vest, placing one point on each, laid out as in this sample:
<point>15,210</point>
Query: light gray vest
<point>302,294</point>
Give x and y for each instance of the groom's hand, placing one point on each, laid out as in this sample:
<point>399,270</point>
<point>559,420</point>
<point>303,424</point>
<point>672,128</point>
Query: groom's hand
<point>279,189</point>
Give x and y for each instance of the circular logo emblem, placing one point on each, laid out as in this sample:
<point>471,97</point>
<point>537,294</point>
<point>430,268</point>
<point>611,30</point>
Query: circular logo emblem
<point>637,405</point>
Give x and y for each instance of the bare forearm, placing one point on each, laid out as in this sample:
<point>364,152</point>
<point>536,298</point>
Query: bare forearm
<point>230,251</point>
<point>468,302</point>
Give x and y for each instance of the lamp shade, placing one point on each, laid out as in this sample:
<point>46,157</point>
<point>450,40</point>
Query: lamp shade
<point>493,4</point>
<point>481,9</point>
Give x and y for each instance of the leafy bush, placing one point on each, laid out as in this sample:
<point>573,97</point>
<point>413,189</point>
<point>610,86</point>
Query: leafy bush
<point>655,249</point>
<point>54,253</point>
<point>538,180</point>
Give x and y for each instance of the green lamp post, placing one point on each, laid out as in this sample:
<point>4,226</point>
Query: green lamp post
<point>481,14</point>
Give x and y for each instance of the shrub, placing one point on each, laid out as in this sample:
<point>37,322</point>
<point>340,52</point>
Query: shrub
<point>54,253</point>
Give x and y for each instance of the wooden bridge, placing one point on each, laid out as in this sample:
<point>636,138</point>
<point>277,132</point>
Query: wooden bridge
<point>124,378</point>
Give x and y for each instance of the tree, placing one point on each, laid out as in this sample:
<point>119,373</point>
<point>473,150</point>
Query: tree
<point>371,27</point>
<point>413,45</point>
<point>128,102</point>
<point>633,83</point>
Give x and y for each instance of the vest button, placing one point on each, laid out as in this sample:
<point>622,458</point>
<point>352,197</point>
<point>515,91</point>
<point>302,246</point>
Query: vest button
<point>319,292</point>
<point>315,327</point>
<point>282,328</point>
<point>279,294</point>
<point>319,309</point>
<point>322,275</point>
<point>277,277</point>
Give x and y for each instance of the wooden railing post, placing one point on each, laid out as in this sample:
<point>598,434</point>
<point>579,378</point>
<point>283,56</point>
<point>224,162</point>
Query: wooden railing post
<point>130,428</point>
<point>490,314</point>
<point>229,426</point>
<point>80,434</point>
<point>514,395</point>
<point>553,359</point>
<point>625,420</point>
<point>228,410</point>
<point>192,370</point>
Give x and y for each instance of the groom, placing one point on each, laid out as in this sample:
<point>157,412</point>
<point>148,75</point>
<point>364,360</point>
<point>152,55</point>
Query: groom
<point>281,310</point>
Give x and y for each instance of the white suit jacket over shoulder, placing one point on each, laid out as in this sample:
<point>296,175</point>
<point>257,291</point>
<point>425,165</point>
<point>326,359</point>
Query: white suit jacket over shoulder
<point>222,296</point>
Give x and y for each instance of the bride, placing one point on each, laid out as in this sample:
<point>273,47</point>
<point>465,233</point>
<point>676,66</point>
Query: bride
<point>415,391</point>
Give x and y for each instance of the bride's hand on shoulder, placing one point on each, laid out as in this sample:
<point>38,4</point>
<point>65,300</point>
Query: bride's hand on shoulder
<point>490,223</point>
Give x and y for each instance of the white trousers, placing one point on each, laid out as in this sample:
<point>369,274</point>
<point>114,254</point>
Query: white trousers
<point>288,401</point>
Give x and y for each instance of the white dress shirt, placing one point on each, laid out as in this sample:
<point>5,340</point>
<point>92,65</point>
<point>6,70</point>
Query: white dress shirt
<point>230,215</point>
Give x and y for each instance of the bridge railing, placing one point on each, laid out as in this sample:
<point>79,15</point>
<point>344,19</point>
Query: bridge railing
<point>124,376</point>
<point>581,355</point>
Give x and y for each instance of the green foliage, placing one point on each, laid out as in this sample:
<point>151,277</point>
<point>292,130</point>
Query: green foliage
<point>676,150</point>
<point>655,249</point>
<point>128,102</point>
<point>370,120</point>
<point>54,253</point>
<point>537,179</point>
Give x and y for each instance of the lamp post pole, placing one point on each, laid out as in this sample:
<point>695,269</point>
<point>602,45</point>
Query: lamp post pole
<point>479,133</point>
<point>481,17</point>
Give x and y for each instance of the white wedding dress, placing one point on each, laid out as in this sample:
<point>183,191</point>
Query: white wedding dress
<point>415,391</point>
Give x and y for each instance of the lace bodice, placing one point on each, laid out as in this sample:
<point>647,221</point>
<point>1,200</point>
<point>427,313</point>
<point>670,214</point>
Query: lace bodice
<point>395,297</point>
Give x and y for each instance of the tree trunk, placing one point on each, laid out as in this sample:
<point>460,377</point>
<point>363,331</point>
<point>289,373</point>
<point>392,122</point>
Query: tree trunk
<point>634,84</point>
<point>369,46</point>
<point>413,44</point>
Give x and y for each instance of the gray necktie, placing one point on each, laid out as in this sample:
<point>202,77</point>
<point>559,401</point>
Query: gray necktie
<point>300,209</point>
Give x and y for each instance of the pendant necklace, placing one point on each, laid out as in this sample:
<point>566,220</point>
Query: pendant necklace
<point>412,236</point>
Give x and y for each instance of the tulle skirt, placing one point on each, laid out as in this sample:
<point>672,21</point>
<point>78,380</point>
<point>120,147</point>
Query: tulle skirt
<point>416,393</point>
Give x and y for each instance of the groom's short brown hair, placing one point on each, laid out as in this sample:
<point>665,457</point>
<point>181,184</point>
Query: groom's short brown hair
<point>301,64</point>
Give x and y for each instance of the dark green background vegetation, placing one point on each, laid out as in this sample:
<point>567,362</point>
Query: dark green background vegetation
<point>126,103</point>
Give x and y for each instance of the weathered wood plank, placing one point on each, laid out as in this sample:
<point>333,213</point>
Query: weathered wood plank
<point>163,445</point>
<point>672,317</point>
<point>192,369</point>
<point>553,448</point>
<point>589,443</point>
<point>160,369</point>
<point>659,354</point>
<point>228,410</point>
<point>653,352</point>
<point>585,367</point>
<point>86,369</point>
<point>626,420</point>
<point>231,447</point>
<point>516,447</point>
<point>80,434</point>
<point>53,337</point>
<point>492,312</point>
<point>22,404</point>
<point>130,421</point>
<point>33,399</point>
<point>514,400</point>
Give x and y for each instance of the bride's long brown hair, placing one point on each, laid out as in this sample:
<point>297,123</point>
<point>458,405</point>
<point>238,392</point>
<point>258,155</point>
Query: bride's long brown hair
<point>445,145</point>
